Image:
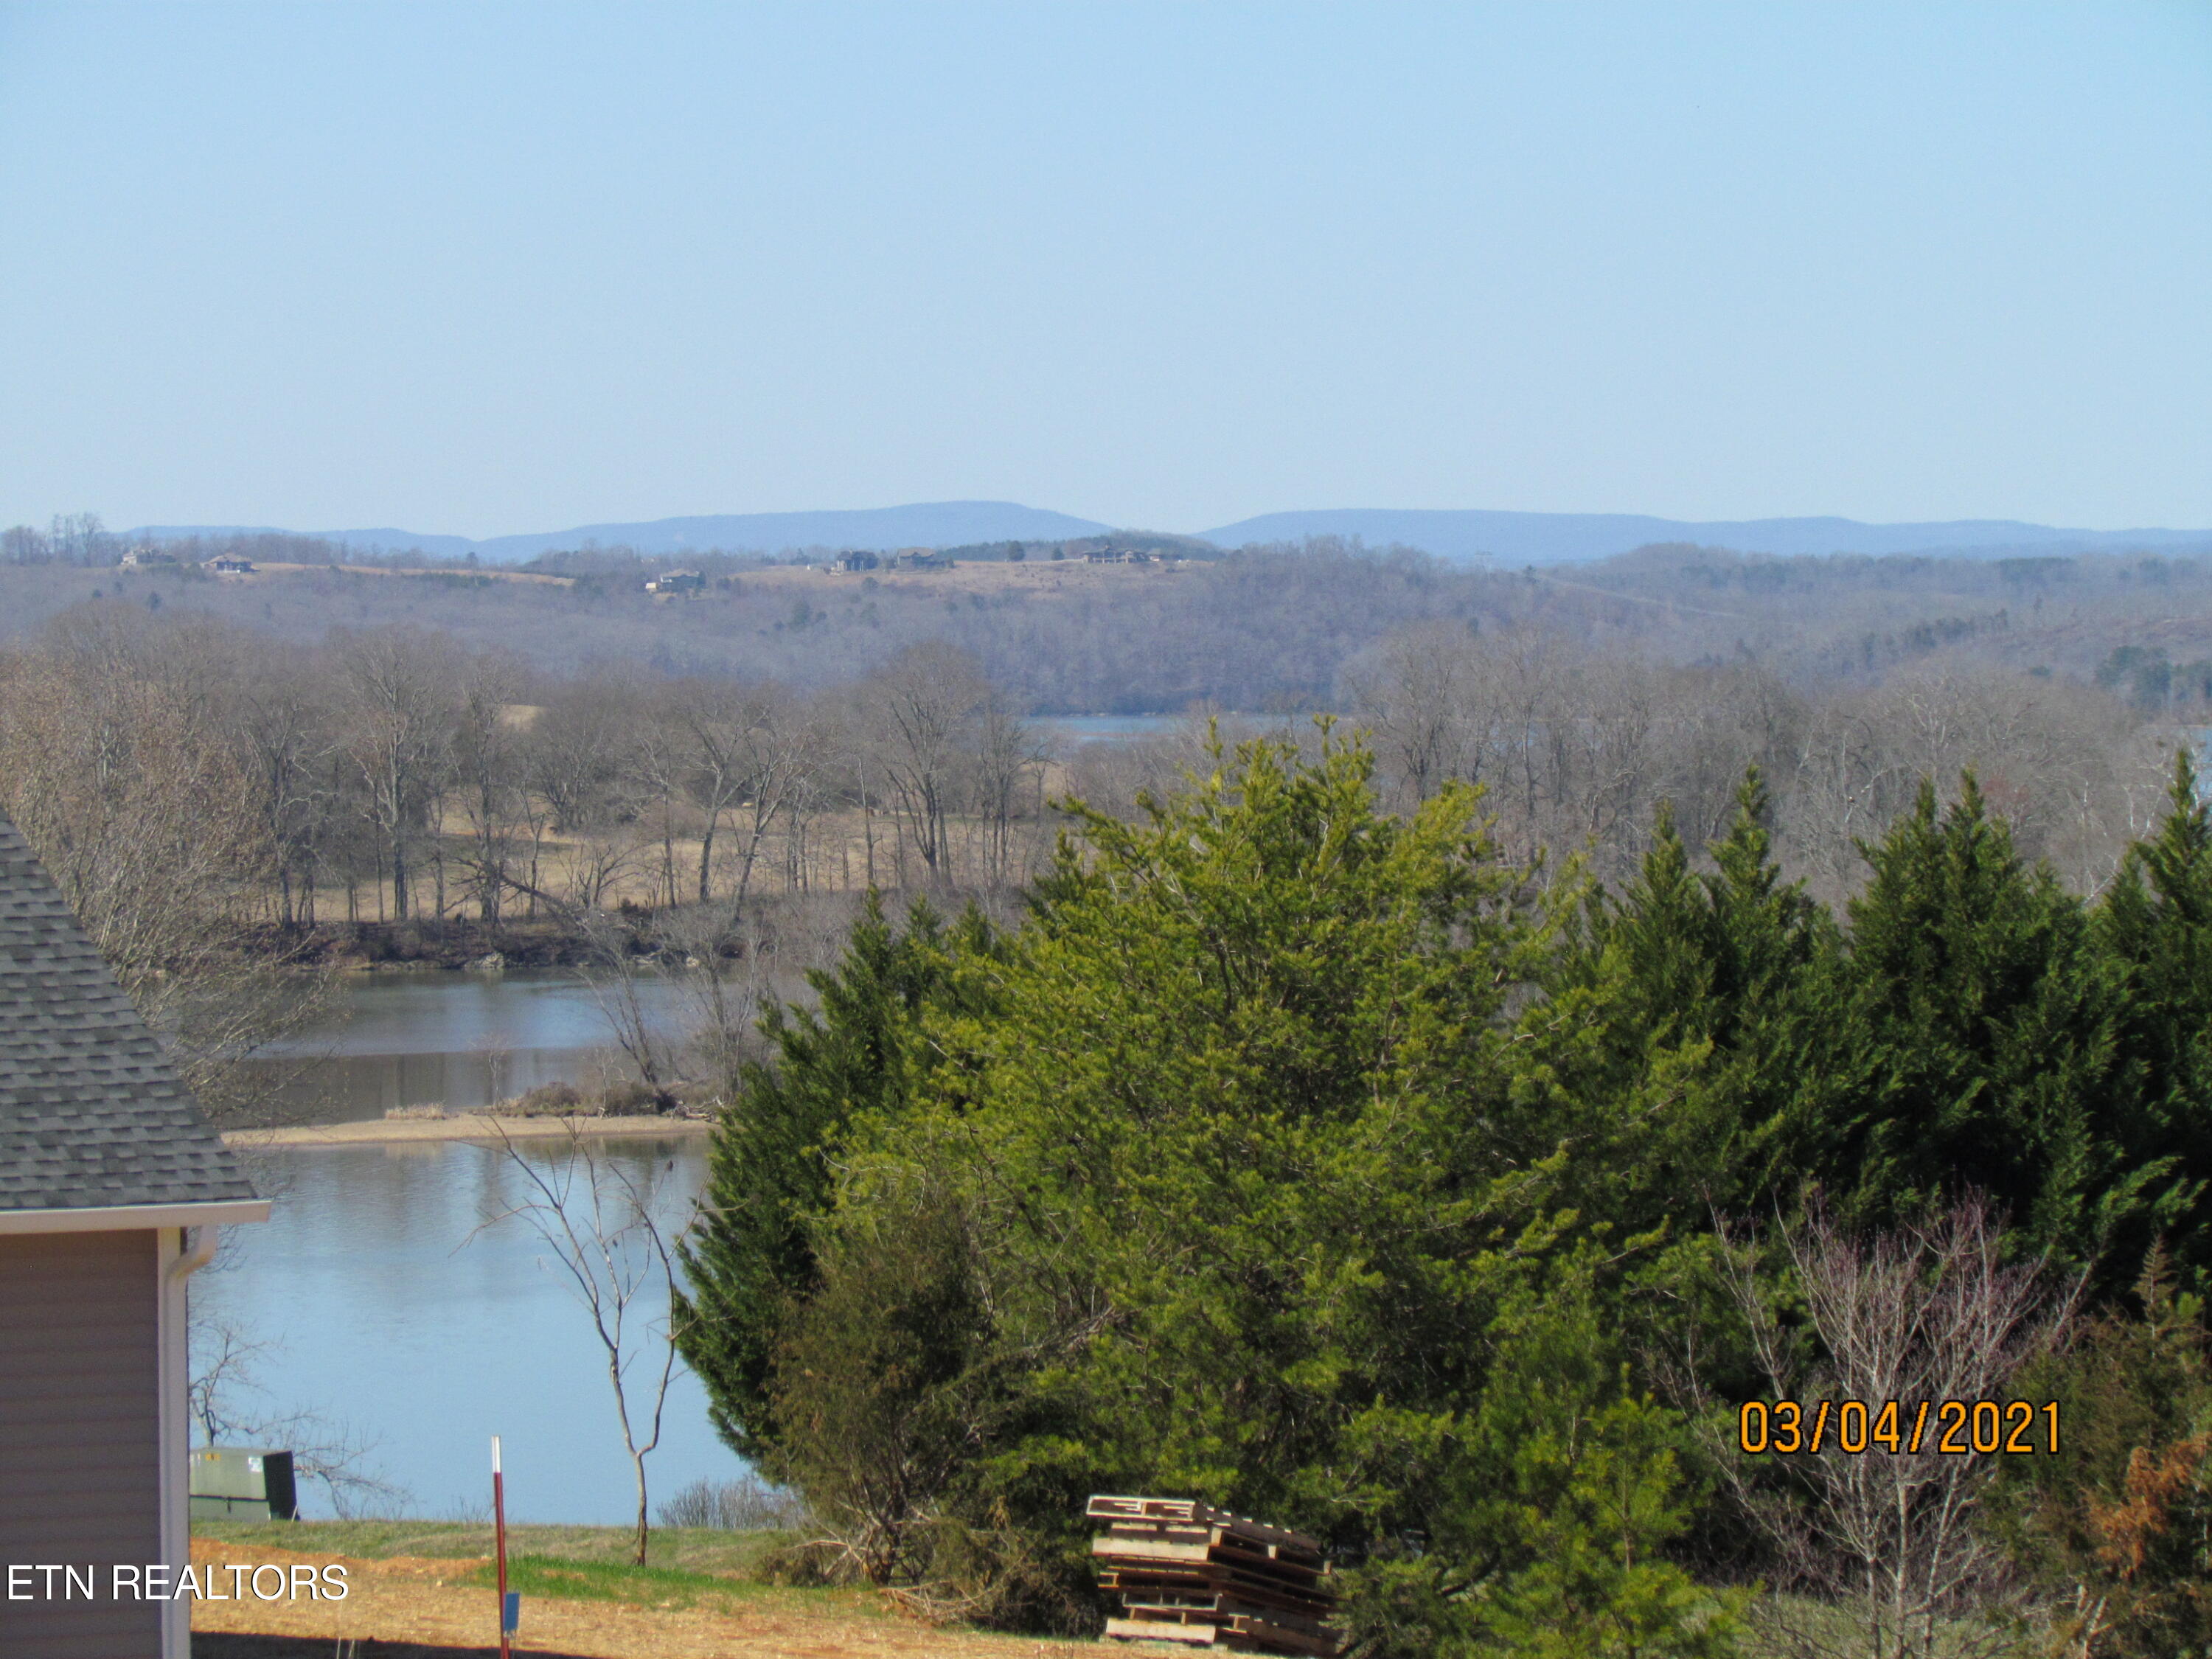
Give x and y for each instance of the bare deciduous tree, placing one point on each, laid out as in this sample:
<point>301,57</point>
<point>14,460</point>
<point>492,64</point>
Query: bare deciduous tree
<point>927,700</point>
<point>399,726</point>
<point>115,767</point>
<point>1891,1533</point>
<point>609,1232</point>
<point>223,1367</point>
<point>489,733</point>
<point>748,750</point>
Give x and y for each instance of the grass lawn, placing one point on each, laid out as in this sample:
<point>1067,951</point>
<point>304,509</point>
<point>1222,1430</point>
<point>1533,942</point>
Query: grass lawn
<point>700,1585</point>
<point>705,1550</point>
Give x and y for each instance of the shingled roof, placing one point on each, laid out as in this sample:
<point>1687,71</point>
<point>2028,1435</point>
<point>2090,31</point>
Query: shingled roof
<point>92,1114</point>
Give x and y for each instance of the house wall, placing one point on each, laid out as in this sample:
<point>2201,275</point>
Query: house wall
<point>174,1374</point>
<point>81,1433</point>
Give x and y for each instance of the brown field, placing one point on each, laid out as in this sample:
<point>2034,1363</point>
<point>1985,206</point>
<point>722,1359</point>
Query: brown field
<point>1048,577</point>
<point>1045,577</point>
<point>265,572</point>
<point>444,1607</point>
<point>834,857</point>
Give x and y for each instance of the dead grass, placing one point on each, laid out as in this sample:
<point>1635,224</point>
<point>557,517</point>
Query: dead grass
<point>1035,576</point>
<point>429,1585</point>
<point>696,1549</point>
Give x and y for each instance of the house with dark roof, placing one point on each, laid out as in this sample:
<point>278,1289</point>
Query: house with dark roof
<point>112,1187</point>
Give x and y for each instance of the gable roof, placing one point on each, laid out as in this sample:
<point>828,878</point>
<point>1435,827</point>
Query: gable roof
<point>92,1114</point>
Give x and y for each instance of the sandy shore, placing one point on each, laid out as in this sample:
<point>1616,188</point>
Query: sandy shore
<point>466,1126</point>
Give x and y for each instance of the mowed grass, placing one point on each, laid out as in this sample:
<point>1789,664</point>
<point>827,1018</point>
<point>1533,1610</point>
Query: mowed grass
<point>706,1570</point>
<point>699,1549</point>
<point>685,1566</point>
<point>679,1588</point>
<point>712,1570</point>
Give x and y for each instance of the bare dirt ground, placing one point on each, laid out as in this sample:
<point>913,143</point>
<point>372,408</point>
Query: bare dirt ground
<point>414,1608</point>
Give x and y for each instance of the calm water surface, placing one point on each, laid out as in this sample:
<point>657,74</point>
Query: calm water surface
<point>1073,729</point>
<point>387,1316</point>
<point>457,1040</point>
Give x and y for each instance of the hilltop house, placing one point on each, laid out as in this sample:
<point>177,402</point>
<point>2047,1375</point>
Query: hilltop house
<point>230,567</point>
<point>677,581</point>
<point>853,560</point>
<point>112,1190</point>
<point>147,558</point>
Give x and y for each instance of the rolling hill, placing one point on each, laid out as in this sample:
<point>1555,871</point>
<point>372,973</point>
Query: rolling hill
<point>1518,538</point>
<point>928,524</point>
<point>1510,539</point>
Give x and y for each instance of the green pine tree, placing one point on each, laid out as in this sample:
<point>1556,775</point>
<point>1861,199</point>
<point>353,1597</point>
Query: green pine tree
<point>1672,1034</point>
<point>768,1169</point>
<point>1971,1042</point>
<point>1230,1150</point>
<point>2155,922</point>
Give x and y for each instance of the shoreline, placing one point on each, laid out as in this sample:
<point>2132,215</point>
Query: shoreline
<point>463,1126</point>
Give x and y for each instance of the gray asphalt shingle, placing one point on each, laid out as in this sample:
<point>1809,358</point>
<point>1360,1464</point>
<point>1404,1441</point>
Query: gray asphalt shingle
<point>91,1112</point>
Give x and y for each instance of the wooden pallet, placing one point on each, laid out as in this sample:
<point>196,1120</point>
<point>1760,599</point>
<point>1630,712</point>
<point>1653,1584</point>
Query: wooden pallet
<point>1238,1634</point>
<point>1156,1605</point>
<point>1186,1571</point>
<point>1246,1596</point>
<point>1275,1560</point>
<point>1189,1512</point>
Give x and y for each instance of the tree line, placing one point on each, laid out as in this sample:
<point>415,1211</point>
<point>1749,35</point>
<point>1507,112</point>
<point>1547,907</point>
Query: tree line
<point>218,808</point>
<point>391,775</point>
<point>397,773</point>
<point>1263,631</point>
<point>1329,1164</point>
<point>209,794</point>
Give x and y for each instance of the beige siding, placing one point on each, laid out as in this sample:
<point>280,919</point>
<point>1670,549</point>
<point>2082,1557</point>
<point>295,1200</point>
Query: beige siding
<point>80,1434</point>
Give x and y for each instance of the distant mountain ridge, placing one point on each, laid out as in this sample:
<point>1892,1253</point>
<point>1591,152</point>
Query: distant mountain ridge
<point>1571,538</point>
<point>927,524</point>
<point>1511,538</point>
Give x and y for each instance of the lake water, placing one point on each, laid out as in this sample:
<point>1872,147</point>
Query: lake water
<point>1073,729</point>
<point>387,1316</point>
<point>457,1040</point>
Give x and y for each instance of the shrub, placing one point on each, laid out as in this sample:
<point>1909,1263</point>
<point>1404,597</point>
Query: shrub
<point>635,1100</point>
<point>745,1505</point>
<point>2118,1525</point>
<point>549,1100</point>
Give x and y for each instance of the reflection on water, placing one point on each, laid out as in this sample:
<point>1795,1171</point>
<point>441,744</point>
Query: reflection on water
<point>390,1316</point>
<point>457,1040</point>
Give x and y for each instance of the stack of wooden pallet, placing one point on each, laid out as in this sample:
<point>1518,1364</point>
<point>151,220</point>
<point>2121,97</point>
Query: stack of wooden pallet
<point>1189,1572</point>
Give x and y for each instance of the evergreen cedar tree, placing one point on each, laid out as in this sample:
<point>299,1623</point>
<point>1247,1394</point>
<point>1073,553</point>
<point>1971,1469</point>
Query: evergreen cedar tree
<point>1314,1162</point>
<point>769,1172</point>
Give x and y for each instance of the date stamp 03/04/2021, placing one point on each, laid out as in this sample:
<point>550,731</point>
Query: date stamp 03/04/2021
<point>1952,1428</point>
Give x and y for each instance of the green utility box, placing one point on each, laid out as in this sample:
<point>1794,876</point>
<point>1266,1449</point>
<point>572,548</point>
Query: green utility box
<point>238,1483</point>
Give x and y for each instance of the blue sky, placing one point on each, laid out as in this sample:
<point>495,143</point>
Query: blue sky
<point>483,269</point>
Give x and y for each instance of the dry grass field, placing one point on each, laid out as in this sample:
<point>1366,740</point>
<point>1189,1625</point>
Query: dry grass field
<point>268,573</point>
<point>426,1592</point>
<point>1042,577</point>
